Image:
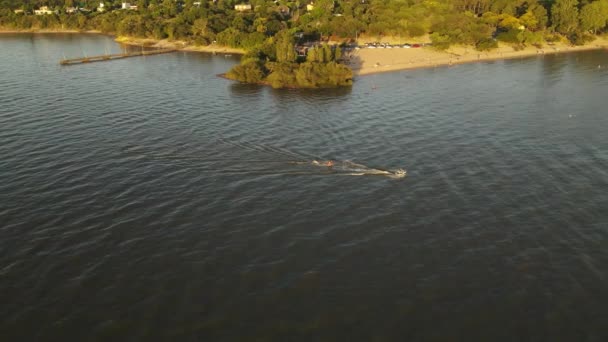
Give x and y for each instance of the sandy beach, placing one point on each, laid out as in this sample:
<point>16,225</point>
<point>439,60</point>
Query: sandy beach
<point>370,61</point>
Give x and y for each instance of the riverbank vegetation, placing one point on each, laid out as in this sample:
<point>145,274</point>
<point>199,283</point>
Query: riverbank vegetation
<point>260,26</point>
<point>277,63</point>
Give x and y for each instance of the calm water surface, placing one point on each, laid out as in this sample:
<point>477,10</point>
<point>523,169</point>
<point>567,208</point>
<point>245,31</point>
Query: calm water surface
<point>147,199</point>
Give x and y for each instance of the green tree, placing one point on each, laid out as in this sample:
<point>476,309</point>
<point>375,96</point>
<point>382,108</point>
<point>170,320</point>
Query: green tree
<point>249,71</point>
<point>564,16</point>
<point>337,53</point>
<point>509,22</point>
<point>594,16</point>
<point>199,27</point>
<point>169,8</point>
<point>312,55</point>
<point>540,14</point>
<point>529,21</point>
<point>327,54</point>
<point>285,47</point>
<point>440,41</point>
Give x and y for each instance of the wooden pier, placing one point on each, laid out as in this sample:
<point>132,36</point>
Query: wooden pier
<point>112,57</point>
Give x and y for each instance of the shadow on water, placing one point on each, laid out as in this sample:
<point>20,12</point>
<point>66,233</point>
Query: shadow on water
<point>243,89</point>
<point>590,61</point>
<point>332,94</point>
<point>553,64</point>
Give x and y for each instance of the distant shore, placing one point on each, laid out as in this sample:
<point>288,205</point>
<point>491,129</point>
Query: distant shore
<point>3,30</point>
<point>146,42</point>
<point>371,61</point>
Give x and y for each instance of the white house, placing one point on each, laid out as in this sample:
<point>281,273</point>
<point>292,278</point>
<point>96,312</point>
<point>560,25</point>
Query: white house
<point>242,7</point>
<point>128,6</point>
<point>19,11</point>
<point>101,7</point>
<point>44,10</point>
<point>71,10</point>
<point>310,6</point>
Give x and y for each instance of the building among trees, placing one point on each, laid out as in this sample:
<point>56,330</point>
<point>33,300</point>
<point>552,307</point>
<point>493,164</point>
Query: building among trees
<point>128,6</point>
<point>44,10</point>
<point>242,7</point>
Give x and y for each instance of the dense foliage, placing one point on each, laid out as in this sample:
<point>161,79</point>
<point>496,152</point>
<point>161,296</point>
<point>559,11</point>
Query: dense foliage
<point>448,21</point>
<point>277,64</point>
<point>480,23</point>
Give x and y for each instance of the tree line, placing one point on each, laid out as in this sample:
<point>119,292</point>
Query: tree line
<point>473,22</point>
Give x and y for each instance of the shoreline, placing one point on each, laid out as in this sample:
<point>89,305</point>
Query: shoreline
<point>145,42</point>
<point>366,61</point>
<point>46,31</point>
<point>373,61</point>
<point>176,45</point>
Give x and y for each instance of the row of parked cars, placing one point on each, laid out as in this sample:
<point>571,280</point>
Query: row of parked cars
<point>390,46</point>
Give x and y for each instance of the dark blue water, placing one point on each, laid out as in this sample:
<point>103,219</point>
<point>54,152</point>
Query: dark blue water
<point>148,199</point>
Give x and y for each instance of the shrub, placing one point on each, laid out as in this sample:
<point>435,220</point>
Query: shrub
<point>440,41</point>
<point>512,36</point>
<point>532,38</point>
<point>486,44</point>
<point>249,71</point>
<point>322,75</point>
<point>580,38</point>
<point>282,75</point>
<point>415,30</point>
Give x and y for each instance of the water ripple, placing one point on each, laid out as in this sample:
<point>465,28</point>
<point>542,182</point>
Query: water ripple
<point>150,198</point>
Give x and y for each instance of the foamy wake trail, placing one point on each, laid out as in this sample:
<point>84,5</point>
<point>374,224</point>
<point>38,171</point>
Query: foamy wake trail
<point>349,168</point>
<point>265,160</point>
<point>276,152</point>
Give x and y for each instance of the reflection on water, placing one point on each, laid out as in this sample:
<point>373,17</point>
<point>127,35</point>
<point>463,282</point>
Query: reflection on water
<point>315,94</point>
<point>241,89</point>
<point>147,198</point>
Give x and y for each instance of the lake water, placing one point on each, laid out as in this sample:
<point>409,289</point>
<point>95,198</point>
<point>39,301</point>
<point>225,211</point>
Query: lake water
<point>147,198</point>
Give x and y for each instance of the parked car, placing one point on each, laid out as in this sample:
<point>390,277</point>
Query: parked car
<point>416,45</point>
<point>407,46</point>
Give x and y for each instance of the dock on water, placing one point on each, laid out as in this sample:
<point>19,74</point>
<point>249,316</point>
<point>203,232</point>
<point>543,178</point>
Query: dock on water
<point>111,57</point>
